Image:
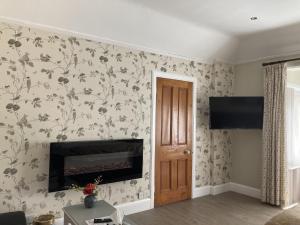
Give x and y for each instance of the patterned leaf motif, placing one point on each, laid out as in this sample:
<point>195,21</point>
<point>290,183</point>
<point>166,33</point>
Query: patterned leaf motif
<point>58,88</point>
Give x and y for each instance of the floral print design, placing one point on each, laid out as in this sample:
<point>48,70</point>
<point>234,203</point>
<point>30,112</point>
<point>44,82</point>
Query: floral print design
<point>59,88</point>
<point>221,145</point>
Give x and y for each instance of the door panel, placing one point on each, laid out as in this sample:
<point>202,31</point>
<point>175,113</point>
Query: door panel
<point>166,113</point>
<point>182,117</point>
<point>173,159</point>
<point>182,171</point>
<point>166,175</point>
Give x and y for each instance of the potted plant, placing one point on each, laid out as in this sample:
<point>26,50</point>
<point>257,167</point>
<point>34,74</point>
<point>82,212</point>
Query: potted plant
<point>90,192</point>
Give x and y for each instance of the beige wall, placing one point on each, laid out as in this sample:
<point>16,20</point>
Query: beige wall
<point>247,144</point>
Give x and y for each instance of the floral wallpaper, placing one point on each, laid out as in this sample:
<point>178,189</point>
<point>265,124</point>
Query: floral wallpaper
<point>223,77</point>
<point>60,88</point>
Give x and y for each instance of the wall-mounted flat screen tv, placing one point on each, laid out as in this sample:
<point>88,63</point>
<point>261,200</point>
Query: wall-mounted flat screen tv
<point>236,112</point>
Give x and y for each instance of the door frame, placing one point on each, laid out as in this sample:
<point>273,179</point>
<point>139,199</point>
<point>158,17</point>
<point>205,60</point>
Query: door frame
<point>158,74</point>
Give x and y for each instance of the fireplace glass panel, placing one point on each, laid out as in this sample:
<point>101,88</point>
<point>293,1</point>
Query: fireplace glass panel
<point>94,163</point>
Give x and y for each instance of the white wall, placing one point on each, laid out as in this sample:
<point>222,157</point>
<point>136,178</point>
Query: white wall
<point>126,23</point>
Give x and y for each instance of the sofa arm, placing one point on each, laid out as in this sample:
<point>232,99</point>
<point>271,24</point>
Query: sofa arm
<point>13,218</point>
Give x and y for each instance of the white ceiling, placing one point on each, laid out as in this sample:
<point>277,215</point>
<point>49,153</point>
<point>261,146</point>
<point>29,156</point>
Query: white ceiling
<point>123,23</point>
<point>230,16</point>
<point>202,30</point>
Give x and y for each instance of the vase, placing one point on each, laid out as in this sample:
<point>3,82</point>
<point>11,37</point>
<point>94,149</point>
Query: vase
<point>89,201</point>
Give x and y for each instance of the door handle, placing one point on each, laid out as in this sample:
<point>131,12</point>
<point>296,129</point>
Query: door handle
<point>187,152</point>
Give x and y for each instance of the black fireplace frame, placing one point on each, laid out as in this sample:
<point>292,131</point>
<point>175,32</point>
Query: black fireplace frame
<point>58,181</point>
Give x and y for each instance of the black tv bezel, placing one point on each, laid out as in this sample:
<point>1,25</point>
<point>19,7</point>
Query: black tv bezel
<point>239,98</point>
<point>123,176</point>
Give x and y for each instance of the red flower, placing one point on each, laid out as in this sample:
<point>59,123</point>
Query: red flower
<point>89,189</point>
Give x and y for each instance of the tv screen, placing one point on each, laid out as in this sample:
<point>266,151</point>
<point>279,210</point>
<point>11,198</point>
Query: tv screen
<point>81,162</point>
<point>236,112</point>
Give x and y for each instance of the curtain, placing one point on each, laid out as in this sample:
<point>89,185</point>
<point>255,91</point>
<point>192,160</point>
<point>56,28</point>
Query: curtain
<point>292,143</point>
<point>293,127</point>
<point>274,152</point>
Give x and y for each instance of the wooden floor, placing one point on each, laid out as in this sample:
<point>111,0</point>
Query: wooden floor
<point>224,209</point>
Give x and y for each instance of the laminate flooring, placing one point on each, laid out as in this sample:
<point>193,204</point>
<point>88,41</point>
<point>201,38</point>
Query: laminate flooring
<point>224,209</point>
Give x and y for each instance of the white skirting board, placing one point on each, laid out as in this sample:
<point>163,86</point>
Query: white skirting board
<point>245,190</point>
<point>201,191</point>
<point>135,207</point>
<point>211,190</point>
<point>218,189</point>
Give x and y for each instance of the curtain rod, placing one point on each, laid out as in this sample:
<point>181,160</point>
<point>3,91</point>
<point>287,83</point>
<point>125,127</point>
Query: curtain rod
<point>281,61</point>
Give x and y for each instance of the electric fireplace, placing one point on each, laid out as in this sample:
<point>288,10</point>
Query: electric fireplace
<point>82,162</point>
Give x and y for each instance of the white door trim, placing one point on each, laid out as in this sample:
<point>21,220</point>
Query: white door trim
<point>155,75</point>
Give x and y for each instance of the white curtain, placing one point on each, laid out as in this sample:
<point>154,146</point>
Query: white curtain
<point>293,127</point>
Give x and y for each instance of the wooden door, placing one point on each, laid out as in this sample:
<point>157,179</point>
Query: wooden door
<point>173,148</point>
